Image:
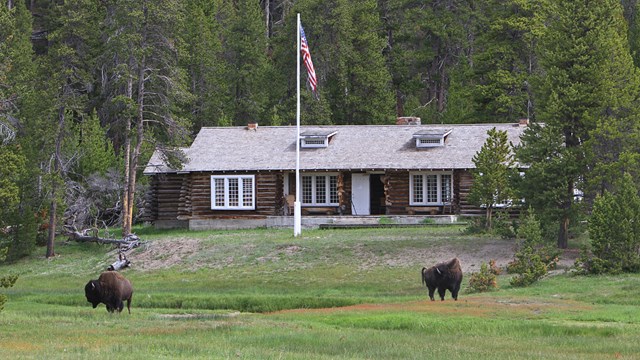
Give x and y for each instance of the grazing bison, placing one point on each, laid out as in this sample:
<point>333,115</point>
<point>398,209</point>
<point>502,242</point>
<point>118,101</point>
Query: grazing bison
<point>443,276</point>
<point>111,289</point>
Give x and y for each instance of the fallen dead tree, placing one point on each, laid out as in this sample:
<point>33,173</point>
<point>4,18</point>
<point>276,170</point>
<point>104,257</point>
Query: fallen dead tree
<point>129,242</point>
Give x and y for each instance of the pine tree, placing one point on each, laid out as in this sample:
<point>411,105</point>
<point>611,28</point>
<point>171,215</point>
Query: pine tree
<point>95,151</point>
<point>427,41</point>
<point>614,229</point>
<point>68,66</point>
<point>347,54</point>
<point>202,59</point>
<point>492,174</point>
<point>588,74</point>
<point>145,89</point>
<point>19,106</point>
<point>245,53</point>
<point>505,61</point>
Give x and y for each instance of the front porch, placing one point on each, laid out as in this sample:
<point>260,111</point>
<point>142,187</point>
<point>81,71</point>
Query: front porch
<point>308,222</point>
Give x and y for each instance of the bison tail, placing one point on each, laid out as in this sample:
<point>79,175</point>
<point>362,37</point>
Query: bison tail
<point>424,281</point>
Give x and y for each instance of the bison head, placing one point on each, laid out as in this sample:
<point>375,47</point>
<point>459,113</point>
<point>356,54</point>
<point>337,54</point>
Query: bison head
<point>92,292</point>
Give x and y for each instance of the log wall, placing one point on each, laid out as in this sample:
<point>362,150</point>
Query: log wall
<point>166,188</point>
<point>188,196</point>
<point>397,198</point>
<point>464,181</point>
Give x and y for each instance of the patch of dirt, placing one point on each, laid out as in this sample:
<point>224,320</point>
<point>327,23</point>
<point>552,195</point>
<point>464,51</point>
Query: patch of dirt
<point>471,305</point>
<point>286,250</point>
<point>199,316</point>
<point>164,254</point>
<point>188,252</point>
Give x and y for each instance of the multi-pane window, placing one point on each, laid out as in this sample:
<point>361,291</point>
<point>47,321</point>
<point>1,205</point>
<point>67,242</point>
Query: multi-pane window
<point>447,193</point>
<point>428,188</point>
<point>418,189</point>
<point>320,189</point>
<point>432,188</point>
<point>233,192</point>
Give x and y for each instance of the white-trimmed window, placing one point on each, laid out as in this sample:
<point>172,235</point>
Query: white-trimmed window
<point>233,192</point>
<point>321,190</point>
<point>430,188</point>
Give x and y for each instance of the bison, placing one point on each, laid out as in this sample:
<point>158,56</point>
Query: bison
<point>443,276</point>
<point>111,289</point>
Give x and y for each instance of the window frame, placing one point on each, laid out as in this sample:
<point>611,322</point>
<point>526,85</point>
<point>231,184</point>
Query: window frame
<point>242,198</point>
<point>424,193</point>
<point>327,189</point>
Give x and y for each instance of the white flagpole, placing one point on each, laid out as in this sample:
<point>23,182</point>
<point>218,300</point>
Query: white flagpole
<point>297,210</point>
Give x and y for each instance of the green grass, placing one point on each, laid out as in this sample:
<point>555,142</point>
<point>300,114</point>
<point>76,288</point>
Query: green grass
<point>330,294</point>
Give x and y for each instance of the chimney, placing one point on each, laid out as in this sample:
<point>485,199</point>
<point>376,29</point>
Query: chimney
<point>408,120</point>
<point>252,126</point>
<point>523,122</point>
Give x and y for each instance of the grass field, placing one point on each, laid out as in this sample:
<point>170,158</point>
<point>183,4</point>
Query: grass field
<point>330,294</point>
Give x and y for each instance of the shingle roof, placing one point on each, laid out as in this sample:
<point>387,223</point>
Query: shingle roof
<point>366,147</point>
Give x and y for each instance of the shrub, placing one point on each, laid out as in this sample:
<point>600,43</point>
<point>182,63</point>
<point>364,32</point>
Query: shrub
<point>528,267</point>
<point>534,258</point>
<point>475,225</point>
<point>504,226</point>
<point>495,270</point>
<point>614,229</point>
<point>428,221</point>
<point>484,280</point>
<point>386,220</point>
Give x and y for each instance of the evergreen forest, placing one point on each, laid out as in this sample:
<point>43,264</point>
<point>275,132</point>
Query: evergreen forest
<point>89,88</point>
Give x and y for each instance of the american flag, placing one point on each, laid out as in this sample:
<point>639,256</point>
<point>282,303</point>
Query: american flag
<point>306,57</point>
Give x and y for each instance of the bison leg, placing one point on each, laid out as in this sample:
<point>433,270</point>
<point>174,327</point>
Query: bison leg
<point>454,292</point>
<point>119,305</point>
<point>129,305</point>
<point>441,292</point>
<point>432,289</point>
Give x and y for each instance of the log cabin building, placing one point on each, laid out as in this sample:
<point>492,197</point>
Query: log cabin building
<point>247,174</point>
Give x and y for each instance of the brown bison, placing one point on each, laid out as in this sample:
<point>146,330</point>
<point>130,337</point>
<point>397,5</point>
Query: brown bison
<point>443,276</point>
<point>111,289</point>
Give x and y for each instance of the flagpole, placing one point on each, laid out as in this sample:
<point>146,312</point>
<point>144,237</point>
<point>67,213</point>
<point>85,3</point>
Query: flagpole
<point>297,210</point>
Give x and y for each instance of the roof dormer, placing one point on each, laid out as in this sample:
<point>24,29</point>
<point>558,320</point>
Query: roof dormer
<point>316,138</point>
<point>431,138</point>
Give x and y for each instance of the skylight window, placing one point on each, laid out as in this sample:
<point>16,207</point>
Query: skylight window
<point>316,138</point>
<point>431,138</point>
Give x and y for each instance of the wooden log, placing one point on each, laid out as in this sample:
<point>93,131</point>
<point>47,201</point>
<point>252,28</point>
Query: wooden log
<point>129,242</point>
<point>120,264</point>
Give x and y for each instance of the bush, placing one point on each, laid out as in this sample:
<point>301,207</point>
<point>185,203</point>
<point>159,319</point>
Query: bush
<point>475,225</point>
<point>504,226</point>
<point>485,279</point>
<point>529,267</point>
<point>6,282</point>
<point>495,270</point>
<point>614,229</point>
<point>534,258</point>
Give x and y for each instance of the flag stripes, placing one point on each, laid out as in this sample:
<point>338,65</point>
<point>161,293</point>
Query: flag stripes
<point>306,57</point>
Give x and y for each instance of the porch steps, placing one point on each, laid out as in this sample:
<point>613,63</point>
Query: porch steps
<point>374,226</point>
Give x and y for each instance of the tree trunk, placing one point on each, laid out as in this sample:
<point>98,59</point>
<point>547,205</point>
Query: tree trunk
<point>133,156</point>
<point>51,236</point>
<point>563,234</point>
<point>57,167</point>
<point>126,224</point>
<point>443,81</point>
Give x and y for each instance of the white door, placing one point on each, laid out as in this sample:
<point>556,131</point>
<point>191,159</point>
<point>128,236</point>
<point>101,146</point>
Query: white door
<point>360,202</point>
